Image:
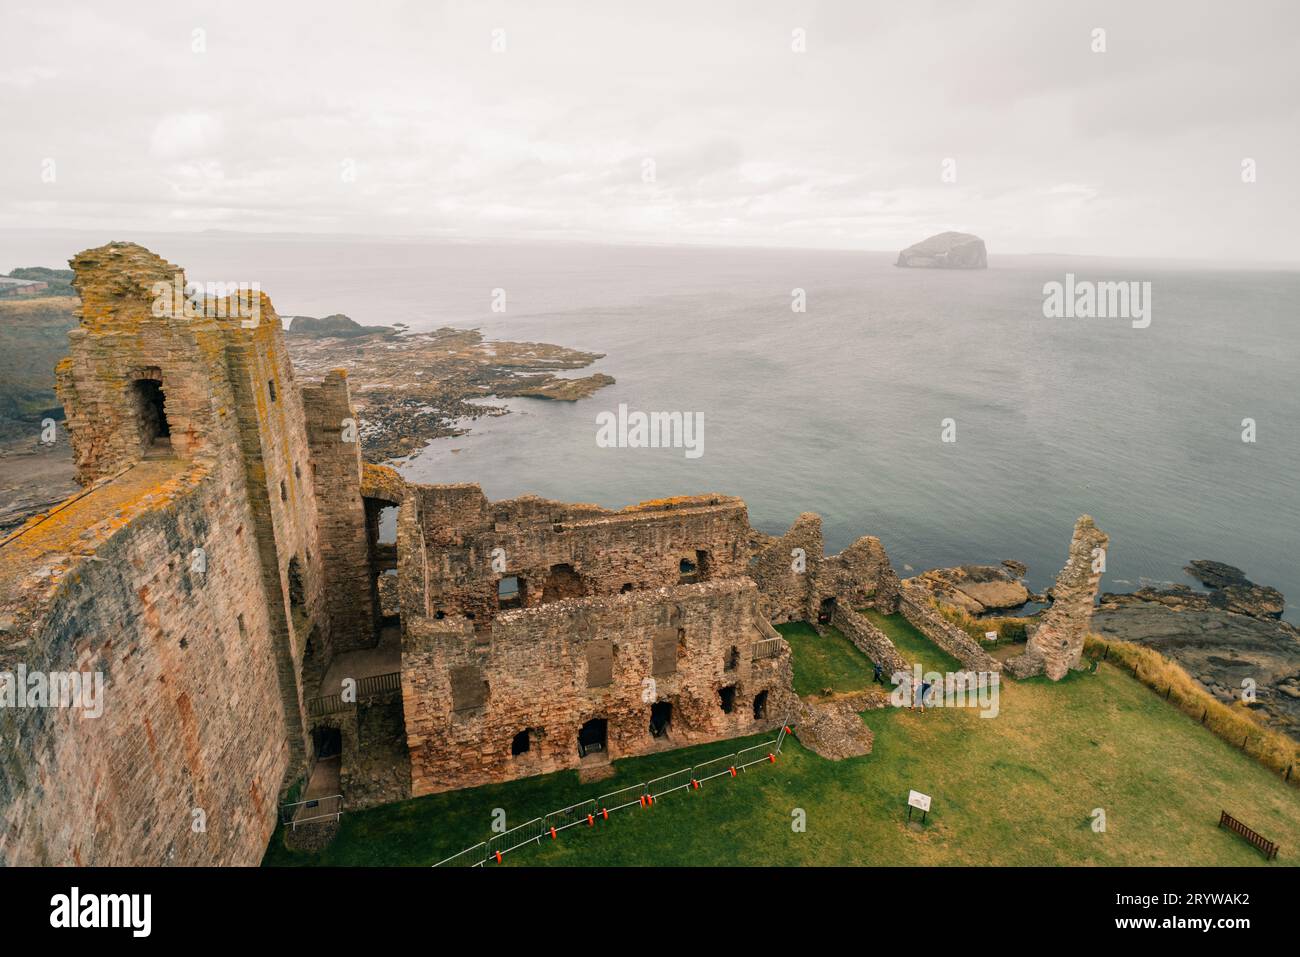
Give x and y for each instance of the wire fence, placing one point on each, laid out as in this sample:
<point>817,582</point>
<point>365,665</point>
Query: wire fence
<point>588,813</point>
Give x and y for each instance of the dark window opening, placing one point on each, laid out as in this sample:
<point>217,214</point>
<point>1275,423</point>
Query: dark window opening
<point>826,612</point>
<point>151,415</point>
<point>270,388</point>
<point>562,582</point>
<point>695,569</point>
<point>591,737</point>
<point>439,614</point>
<point>627,587</point>
<point>733,659</point>
<point>727,698</point>
<point>760,706</point>
<point>510,592</point>
<point>328,742</point>
<point>661,716</point>
<point>522,743</point>
<point>297,594</point>
<point>284,492</point>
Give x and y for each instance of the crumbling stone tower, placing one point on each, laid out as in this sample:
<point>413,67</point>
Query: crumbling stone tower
<point>1056,645</point>
<point>192,573</point>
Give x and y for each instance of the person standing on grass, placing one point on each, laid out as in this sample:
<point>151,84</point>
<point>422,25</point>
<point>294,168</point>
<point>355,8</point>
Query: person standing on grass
<point>876,676</point>
<point>925,690</point>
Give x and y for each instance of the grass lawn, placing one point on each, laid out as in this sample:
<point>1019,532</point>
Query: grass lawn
<point>825,662</point>
<point>911,644</point>
<point>1016,789</point>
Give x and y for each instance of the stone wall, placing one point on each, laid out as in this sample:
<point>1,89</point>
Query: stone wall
<point>787,593</point>
<point>860,575</point>
<point>870,640</point>
<point>193,728</point>
<point>555,550</point>
<point>190,571</point>
<point>914,603</point>
<point>1056,645</point>
<point>345,549</point>
<point>546,671</point>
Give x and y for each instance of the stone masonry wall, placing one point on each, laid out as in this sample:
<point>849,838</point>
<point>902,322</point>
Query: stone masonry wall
<point>467,693</point>
<point>915,605</point>
<point>870,640</point>
<point>601,552</point>
<point>862,576</point>
<point>193,720</point>
<point>1056,645</point>
<point>785,592</point>
<point>336,474</point>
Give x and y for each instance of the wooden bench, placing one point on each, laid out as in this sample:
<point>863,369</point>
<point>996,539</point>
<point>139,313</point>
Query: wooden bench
<point>1264,846</point>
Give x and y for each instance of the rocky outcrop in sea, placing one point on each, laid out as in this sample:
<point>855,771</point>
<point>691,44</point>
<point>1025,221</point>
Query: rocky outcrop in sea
<point>946,251</point>
<point>1229,637</point>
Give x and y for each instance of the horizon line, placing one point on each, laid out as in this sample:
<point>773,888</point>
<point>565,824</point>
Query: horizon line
<point>473,240</point>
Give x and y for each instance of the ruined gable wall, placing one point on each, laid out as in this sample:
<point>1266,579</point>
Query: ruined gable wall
<point>1056,645</point>
<point>639,547</point>
<point>119,340</point>
<point>336,474</point>
<point>862,576</point>
<point>535,663</point>
<point>193,715</point>
<point>785,593</point>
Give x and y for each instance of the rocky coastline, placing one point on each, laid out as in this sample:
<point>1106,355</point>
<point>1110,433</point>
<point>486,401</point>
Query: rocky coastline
<point>410,388</point>
<point>1229,637</point>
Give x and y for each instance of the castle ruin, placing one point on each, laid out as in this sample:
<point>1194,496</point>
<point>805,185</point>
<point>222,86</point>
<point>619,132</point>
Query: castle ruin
<point>261,602</point>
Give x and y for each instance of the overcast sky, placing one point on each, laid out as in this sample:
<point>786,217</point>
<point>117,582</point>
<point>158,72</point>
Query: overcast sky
<point>400,118</point>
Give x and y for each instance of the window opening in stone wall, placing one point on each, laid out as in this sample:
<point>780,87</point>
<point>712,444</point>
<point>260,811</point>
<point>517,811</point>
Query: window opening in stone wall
<point>760,706</point>
<point>661,717</point>
<point>591,737</point>
<point>510,593</point>
<point>151,414</point>
<point>727,698</point>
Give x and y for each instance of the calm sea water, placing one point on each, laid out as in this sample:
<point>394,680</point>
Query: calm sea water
<point>838,410</point>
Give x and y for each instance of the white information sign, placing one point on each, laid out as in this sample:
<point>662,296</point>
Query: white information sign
<point>918,800</point>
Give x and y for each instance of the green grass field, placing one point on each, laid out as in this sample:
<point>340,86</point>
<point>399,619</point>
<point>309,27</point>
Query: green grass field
<point>1017,789</point>
<point>911,644</point>
<point>832,662</point>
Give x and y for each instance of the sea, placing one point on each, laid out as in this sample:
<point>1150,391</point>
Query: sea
<point>941,411</point>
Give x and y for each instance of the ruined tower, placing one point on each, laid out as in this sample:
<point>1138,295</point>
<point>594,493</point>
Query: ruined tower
<point>191,573</point>
<point>1056,645</point>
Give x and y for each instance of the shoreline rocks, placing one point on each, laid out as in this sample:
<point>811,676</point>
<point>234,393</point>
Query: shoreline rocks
<point>1222,637</point>
<point>976,589</point>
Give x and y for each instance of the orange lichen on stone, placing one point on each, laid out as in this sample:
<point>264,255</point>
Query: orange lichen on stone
<point>48,546</point>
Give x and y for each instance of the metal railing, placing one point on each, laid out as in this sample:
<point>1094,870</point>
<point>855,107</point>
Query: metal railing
<point>501,844</point>
<point>366,687</point>
<point>642,794</point>
<point>315,809</point>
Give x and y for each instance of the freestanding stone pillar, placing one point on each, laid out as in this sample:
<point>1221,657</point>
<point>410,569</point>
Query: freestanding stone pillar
<point>1057,644</point>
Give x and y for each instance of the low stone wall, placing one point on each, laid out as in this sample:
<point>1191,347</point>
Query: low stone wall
<point>915,606</point>
<point>870,640</point>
